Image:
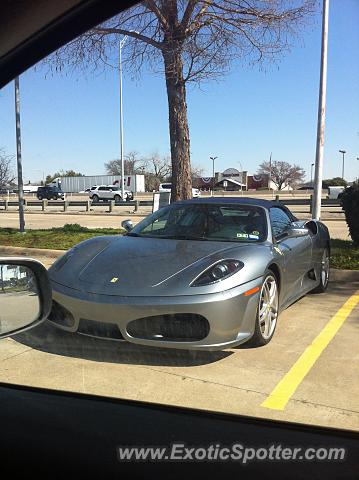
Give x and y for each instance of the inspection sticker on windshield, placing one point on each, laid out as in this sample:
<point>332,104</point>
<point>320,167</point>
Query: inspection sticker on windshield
<point>242,235</point>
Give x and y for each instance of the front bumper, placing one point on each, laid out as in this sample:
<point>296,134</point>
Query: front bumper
<point>230,314</point>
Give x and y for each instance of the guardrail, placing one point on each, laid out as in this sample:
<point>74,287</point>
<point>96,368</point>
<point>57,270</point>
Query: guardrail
<point>64,204</point>
<point>136,204</point>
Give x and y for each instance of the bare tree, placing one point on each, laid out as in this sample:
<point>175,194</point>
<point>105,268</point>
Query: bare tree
<point>282,173</point>
<point>133,164</point>
<point>197,171</point>
<point>188,40</point>
<point>159,166</point>
<point>157,169</point>
<point>6,169</point>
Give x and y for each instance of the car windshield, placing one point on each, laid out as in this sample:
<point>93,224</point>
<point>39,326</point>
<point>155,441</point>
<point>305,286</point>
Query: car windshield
<point>216,222</point>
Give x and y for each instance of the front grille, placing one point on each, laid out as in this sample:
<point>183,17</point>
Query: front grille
<point>94,328</point>
<point>61,315</point>
<point>178,327</point>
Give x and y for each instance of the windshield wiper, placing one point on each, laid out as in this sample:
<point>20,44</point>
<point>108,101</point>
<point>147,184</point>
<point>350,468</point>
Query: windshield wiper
<point>183,237</point>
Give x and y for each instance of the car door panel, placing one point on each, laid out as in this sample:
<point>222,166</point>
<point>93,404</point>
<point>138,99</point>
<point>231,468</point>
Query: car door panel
<point>297,261</point>
<point>296,253</point>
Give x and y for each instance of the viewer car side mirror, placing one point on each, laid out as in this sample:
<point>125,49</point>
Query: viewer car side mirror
<point>25,295</point>
<point>127,225</point>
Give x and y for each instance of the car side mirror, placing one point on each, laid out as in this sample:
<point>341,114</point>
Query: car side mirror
<point>295,232</point>
<point>127,225</point>
<point>25,295</point>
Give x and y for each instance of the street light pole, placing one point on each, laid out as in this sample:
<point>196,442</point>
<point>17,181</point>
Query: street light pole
<point>20,183</point>
<point>122,42</point>
<point>311,174</point>
<point>213,181</point>
<point>343,152</point>
<point>318,173</point>
<point>240,164</point>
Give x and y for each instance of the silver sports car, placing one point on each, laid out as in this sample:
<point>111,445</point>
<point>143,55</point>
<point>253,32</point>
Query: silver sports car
<point>204,274</point>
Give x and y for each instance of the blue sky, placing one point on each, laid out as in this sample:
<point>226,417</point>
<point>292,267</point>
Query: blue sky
<point>72,121</point>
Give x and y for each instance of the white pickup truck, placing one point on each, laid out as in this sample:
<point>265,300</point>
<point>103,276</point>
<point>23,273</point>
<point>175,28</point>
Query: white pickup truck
<point>335,192</point>
<point>166,187</point>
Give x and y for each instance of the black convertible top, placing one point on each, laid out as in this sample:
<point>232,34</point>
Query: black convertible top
<point>257,202</point>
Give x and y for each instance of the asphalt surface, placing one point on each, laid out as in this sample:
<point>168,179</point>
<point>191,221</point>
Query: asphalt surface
<point>239,380</point>
<point>17,310</point>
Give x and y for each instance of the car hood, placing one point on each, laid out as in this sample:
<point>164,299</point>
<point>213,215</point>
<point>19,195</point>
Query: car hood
<point>133,266</point>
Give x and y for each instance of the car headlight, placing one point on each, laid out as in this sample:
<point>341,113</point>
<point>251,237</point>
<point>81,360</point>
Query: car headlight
<point>218,272</point>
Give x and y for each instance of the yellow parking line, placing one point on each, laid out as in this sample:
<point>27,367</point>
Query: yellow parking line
<point>282,393</point>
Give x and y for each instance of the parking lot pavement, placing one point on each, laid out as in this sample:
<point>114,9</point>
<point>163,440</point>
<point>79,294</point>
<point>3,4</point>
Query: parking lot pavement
<point>236,381</point>
<point>337,228</point>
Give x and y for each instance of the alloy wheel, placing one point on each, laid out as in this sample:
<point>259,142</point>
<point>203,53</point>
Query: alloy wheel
<point>325,268</point>
<point>268,307</point>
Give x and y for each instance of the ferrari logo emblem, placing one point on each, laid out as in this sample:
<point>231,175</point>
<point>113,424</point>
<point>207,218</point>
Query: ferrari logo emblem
<point>114,280</point>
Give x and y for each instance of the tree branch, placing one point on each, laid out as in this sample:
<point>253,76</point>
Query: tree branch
<point>129,33</point>
<point>151,5</point>
<point>187,14</point>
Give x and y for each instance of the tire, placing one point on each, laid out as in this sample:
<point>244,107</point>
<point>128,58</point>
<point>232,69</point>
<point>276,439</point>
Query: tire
<point>324,273</point>
<point>54,197</point>
<point>95,198</point>
<point>40,197</point>
<point>117,198</point>
<point>266,317</point>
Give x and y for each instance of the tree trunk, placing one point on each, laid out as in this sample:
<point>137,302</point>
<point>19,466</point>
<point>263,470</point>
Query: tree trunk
<point>178,125</point>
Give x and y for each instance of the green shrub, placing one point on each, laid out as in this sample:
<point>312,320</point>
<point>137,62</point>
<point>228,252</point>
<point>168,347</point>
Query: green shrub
<point>73,228</point>
<point>350,204</point>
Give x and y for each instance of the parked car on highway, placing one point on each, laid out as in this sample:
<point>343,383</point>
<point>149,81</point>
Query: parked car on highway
<point>109,192</point>
<point>166,187</point>
<point>50,193</point>
<point>204,274</point>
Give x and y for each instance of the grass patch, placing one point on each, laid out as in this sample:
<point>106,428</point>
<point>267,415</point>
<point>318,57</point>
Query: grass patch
<point>55,238</point>
<point>344,255</point>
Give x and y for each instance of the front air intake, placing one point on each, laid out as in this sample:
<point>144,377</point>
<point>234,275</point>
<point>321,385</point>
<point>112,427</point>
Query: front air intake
<point>178,327</point>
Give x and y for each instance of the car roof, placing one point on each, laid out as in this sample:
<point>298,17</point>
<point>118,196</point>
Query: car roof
<point>258,202</point>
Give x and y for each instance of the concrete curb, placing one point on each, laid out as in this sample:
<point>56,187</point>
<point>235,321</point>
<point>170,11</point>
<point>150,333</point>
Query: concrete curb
<point>30,252</point>
<point>349,276</point>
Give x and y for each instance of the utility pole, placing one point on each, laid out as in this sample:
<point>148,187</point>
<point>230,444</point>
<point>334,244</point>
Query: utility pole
<point>343,152</point>
<point>318,173</point>
<point>18,157</point>
<point>122,42</point>
<point>213,181</point>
